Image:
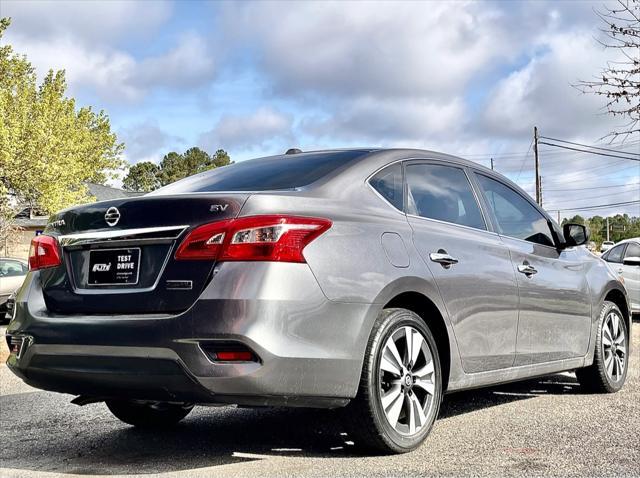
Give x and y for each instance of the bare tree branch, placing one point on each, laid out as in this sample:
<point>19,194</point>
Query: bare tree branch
<point>619,82</point>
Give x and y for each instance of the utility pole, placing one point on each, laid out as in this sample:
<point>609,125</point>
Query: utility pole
<point>607,228</point>
<point>491,164</point>
<point>540,202</point>
<point>535,152</point>
<point>558,216</point>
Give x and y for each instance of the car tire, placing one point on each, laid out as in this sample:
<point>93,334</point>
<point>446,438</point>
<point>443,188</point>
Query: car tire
<point>608,372</point>
<point>410,399</point>
<point>148,415</point>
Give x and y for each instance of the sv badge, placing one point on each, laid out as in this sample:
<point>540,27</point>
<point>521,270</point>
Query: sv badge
<point>218,207</point>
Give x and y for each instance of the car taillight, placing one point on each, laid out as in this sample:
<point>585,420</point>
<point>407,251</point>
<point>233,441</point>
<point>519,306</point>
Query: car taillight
<point>204,242</point>
<point>275,238</point>
<point>44,252</point>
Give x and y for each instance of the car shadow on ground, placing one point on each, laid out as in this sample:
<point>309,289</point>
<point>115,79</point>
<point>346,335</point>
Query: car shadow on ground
<point>471,400</point>
<point>95,443</point>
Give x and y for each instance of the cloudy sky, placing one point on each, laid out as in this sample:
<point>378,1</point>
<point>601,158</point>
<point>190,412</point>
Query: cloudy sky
<point>466,78</point>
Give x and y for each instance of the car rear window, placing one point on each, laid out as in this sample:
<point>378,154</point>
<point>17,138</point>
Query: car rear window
<point>388,183</point>
<point>266,174</point>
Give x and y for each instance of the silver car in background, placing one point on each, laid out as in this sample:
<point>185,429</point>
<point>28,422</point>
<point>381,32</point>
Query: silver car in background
<point>606,245</point>
<point>12,274</point>
<point>624,258</point>
<point>370,280</point>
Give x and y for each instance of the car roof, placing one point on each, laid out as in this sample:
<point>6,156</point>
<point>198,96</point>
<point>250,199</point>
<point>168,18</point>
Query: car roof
<point>404,153</point>
<point>13,259</point>
<point>631,239</point>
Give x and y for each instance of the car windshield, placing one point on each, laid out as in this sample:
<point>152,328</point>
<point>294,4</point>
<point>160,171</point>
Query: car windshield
<point>266,174</point>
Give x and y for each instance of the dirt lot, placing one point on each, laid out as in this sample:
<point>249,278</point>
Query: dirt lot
<point>540,427</point>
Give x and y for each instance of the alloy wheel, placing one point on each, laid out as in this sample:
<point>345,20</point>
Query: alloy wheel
<point>407,380</point>
<point>614,346</point>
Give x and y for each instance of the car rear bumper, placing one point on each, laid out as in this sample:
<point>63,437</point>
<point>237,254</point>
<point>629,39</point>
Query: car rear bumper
<point>309,349</point>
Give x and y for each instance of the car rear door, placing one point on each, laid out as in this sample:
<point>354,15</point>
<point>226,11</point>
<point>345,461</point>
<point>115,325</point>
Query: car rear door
<point>554,321</point>
<point>471,266</point>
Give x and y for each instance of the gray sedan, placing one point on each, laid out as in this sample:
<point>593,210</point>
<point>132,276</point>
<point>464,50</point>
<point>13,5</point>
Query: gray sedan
<point>365,279</point>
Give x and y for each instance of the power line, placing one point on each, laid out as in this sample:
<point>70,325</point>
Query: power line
<point>624,185</point>
<point>586,146</point>
<point>590,152</point>
<point>602,166</point>
<point>518,154</point>
<point>601,206</point>
<point>595,197</point>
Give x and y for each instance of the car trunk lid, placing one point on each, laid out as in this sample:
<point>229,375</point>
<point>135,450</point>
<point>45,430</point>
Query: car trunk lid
<point>118,255</point>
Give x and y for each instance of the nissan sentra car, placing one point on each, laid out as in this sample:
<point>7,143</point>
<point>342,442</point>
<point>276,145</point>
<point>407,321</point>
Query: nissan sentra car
<point>373,280</point>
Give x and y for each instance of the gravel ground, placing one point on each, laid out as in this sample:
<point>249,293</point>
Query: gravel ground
<point>539,427</point>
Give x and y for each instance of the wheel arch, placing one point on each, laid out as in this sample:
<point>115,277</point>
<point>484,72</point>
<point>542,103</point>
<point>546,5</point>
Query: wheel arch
<point>424,307</point>
<point>620,299</point>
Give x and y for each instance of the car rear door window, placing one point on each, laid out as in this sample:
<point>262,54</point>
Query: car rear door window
<point>388,183</point>
<point>442,192</point>
<point>516,217</point>
<point>615,254</point>
<point>633,250</point>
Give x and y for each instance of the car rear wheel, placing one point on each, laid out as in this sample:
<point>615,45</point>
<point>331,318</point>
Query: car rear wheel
<point>148,415</point>
<point>608,372</point>
<point>400,387</point>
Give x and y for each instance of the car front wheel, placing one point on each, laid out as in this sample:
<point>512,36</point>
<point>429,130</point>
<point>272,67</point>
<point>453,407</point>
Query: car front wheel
<point>400,387</point>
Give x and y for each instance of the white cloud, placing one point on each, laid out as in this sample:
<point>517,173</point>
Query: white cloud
<point>147,141</point>
<point>391,121</point>
<point>541,93</point>
<point>87,39</point>
<point>116,75</point>
<point>188,64</point>
<point>106,70</point>
<point>92,22</point>
<point>248,131</point>
<point>379,48</point>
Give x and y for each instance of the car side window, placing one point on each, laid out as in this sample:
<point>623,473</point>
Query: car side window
<point>388,183</point>
<point>516,217</point>
<point>11,269</point>
<point>443,193</point>
<point>615,254</point>
<point>633,250</point>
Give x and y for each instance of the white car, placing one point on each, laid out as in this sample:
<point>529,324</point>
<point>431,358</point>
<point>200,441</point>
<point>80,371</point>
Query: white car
<point>606,245</point>
<point>624,258</point>
<point>12,274</point>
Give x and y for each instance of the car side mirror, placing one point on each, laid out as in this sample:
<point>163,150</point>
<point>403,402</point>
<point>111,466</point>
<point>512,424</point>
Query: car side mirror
<point>575,234</point>
<point>631,261</point>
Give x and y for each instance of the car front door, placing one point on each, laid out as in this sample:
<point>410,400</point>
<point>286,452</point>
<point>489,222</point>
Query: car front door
<point>470,264</point>
<point>555,306</point>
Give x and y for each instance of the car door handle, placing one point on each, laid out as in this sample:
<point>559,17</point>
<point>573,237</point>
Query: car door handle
<point>442,258</point>
<point>527,269</point>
